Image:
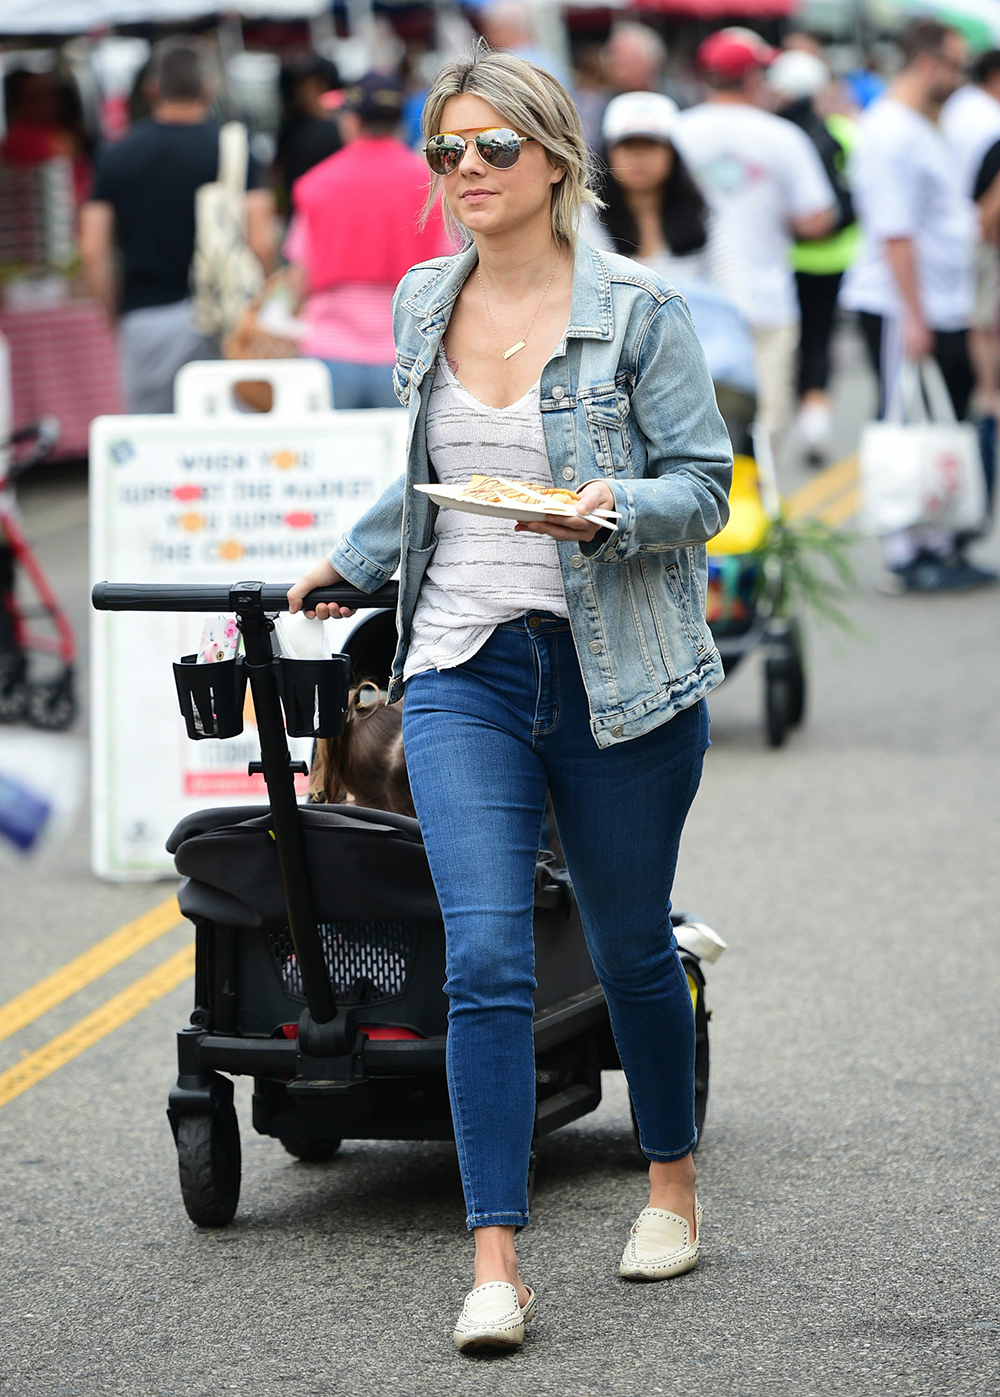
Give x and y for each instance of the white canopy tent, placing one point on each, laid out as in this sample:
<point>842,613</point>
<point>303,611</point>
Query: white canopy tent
<point>86,16</point>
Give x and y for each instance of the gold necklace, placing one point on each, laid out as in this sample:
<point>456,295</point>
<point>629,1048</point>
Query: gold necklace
<point>509,353</point>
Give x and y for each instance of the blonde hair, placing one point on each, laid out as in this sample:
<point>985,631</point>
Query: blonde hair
<point>535,104</point>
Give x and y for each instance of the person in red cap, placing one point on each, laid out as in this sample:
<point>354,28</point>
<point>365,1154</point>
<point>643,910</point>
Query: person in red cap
<point>355,230</point>
<point>766,184</point>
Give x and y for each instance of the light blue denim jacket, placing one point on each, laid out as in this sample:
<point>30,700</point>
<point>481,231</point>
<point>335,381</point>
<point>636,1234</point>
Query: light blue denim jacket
<point>626,397</point>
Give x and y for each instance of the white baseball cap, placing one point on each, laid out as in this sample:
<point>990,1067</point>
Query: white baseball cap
<point>649,114</point>
<point>796,73</point>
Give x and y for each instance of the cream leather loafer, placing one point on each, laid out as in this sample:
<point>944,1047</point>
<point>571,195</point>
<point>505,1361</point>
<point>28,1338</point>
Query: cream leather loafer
<point>660,1246</point>
<point>492,1318</point>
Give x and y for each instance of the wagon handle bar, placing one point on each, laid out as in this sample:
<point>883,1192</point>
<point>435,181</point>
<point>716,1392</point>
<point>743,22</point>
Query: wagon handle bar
<point>197,596</point>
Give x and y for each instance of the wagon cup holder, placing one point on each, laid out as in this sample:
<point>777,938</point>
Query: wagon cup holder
<point>211,696</point>
<point>314,695</point>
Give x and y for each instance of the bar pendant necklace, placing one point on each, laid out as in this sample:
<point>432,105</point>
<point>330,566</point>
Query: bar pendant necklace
<point>515,348</point>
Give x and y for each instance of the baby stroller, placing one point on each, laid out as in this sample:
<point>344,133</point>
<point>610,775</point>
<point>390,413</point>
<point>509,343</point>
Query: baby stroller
<point>743,590</point>
<point>46,701</point>
<point>319,943</point>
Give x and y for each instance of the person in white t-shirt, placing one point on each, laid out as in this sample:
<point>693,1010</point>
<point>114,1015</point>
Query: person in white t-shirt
<point>970,120</point>
<point>913,281</point>
<point>766,184</point>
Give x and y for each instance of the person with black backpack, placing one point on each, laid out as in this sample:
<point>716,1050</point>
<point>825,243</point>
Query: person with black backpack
<point>798,77</point>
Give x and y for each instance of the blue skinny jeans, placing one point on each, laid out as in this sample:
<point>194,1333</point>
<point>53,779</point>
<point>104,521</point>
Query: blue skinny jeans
<point>483,741</point>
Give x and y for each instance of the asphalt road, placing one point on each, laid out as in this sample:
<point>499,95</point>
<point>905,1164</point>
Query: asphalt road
<point>848,1169</point>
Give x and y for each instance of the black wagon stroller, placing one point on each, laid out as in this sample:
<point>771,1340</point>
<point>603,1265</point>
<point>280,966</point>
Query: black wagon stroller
<point>319,943</point>
<point>744,588</point>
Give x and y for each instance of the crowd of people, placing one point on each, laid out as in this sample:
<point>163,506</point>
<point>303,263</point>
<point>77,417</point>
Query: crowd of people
<point>529,277</point>
<point>767,189</point>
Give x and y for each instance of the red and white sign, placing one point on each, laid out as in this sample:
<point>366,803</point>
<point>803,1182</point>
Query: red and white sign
<point>220,500</point>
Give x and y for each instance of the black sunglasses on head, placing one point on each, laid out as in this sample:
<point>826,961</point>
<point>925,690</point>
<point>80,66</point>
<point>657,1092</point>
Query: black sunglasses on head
<point>498,147</point>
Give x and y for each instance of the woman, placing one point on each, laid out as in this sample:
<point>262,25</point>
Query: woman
<point>308,131</point>
<point>548,654</point>
<point>653,210</point>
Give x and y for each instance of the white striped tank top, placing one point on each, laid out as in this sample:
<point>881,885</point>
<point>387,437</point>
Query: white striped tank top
<point>482,572</point>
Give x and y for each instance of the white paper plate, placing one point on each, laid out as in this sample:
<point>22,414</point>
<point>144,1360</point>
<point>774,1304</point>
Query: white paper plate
<point>450,497</point>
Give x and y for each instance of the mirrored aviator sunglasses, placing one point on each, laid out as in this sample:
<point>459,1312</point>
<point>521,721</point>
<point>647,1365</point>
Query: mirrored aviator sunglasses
<point>498,147</point>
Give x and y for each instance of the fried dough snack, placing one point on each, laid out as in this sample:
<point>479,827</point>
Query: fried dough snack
<point>495,490</point>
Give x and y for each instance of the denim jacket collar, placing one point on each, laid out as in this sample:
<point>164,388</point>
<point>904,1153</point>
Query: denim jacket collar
<point>591,314</point>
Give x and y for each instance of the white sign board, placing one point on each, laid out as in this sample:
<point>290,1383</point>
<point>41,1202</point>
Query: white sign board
<point>221,500</point>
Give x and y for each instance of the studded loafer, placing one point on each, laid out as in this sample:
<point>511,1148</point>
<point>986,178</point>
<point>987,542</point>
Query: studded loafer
<point>491,1318</point>
<point>660,1245</point>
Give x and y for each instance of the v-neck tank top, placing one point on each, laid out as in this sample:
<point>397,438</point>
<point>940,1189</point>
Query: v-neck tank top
<point>482,573</point>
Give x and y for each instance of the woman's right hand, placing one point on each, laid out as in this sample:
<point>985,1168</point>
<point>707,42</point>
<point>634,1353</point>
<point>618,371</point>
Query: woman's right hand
<point>321,575</point>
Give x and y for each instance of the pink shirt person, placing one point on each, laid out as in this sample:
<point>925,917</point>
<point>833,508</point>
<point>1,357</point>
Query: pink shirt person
<point>356,231</point>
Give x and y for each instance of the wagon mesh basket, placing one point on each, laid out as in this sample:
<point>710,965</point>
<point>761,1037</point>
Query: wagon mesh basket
<point>368,962</point>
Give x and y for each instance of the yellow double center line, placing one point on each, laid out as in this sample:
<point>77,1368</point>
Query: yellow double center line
<point>25,1008</point>
<point>833,495</point>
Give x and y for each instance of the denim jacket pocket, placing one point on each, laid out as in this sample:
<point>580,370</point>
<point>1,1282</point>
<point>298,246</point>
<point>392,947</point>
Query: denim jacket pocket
<point>680,584</point>
<point>609,437</point>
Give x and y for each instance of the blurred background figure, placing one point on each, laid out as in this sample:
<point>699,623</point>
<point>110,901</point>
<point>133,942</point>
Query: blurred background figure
<point>355,231</point>
<point>913,281</point>
<point>143,205</point>
<point>765,183</point>
<point>44,121</point>
<point>970,120</point>
<point>654,210</point>
<point>635,59</point>
<point>799,78</point>
<point>309,130</point>
<point>590,88</point>
<point>655,213</point>
<point>511,25</point>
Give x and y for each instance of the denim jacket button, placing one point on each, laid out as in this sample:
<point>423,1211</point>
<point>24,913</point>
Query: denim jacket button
<point>568,472</point>
<point>576,561</point>
<point>595,647</point>
<point>617,730</point>
<point>558,392</point>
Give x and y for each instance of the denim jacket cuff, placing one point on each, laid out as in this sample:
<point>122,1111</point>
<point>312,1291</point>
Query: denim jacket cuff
<point>607,547</point>
<point>356,569</point>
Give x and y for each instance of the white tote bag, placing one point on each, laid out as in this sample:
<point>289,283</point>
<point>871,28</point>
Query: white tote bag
<point>225,274</point>
<point>921,467</point>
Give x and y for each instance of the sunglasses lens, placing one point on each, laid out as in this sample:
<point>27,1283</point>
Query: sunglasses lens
<point>500,149</point>
<point>444,153</point>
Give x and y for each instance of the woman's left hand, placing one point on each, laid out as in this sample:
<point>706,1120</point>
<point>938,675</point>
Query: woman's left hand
<point>596,494</point>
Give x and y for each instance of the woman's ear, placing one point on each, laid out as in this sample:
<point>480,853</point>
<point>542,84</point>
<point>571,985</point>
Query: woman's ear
<point>558,171</point>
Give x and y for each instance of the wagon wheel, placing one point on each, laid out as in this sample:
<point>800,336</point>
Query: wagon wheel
<point>52,704</point>
<point>796,675</point>
<point>13,688</point>
<point>532,1171</point>
<point>313,1151</point>
<point>778,700</point>
<point>696,984</point>
<point>209,1163</point>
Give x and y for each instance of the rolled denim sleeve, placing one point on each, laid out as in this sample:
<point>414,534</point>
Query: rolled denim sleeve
<point>369,553</point>
<point>683,498</point>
